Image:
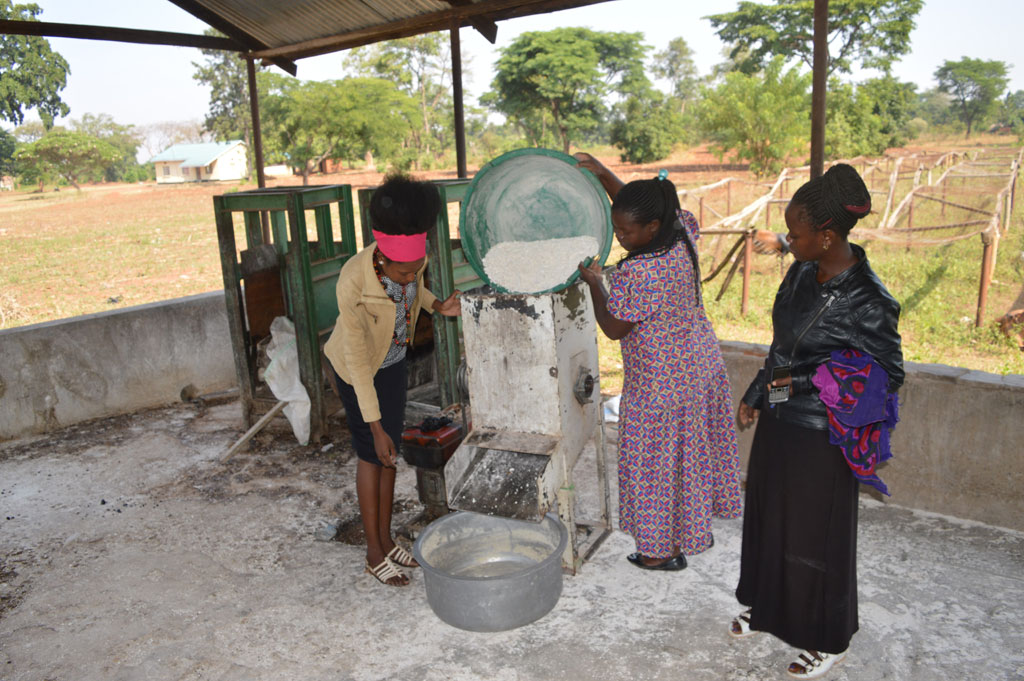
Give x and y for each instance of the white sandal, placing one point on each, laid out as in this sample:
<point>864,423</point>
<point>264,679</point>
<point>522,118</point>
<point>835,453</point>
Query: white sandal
<point>386,571</point>
<point>814,664</point>
<point>740,626</point>
<point>402,557</point>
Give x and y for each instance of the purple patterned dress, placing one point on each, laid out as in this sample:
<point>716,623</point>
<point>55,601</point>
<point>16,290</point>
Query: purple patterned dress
<point>678,457</point>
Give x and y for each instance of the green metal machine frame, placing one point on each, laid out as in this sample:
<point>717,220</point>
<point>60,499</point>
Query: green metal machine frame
<point>308,271</point>
<point>447,271</point>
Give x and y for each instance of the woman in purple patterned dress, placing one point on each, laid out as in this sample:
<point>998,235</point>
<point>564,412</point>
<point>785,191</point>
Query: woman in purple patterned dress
<point>678,456</point>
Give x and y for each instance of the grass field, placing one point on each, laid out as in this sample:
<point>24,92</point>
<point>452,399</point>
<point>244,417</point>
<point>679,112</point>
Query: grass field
<point>111,246</point>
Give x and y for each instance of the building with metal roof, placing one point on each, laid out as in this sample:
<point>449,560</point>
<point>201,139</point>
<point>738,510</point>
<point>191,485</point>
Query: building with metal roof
<point>201,162</point>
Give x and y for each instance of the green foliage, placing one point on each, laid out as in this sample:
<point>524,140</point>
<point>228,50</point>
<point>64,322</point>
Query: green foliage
<point>851,128</point>
<point>647,128</point>
<point>869,118</point>
<point>31,74</point>
<point>420,67</point>
<point>124,138</point>
<point>309,121</point>
<point>933,107</point>
<point>7,146</point>
<point>675,64</point>
<point>230,116</point>
<point>764,118</point>
<point>871,33</point>
<point>556,81</point>
<point>1011,113</point>
<point>975,86</point>
<point>68,154</point>
<point>892,103</point>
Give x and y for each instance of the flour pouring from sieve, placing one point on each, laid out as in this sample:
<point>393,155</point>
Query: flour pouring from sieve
<point>534,266</point>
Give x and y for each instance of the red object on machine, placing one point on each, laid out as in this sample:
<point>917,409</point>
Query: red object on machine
<point>431,449</point>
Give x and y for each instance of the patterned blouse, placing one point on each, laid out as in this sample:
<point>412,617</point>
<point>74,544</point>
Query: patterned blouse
<point>404,297</point>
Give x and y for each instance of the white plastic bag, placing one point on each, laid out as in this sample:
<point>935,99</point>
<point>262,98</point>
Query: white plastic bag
<point>282,376</point>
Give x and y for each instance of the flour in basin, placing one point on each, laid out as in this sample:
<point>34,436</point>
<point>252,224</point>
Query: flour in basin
<point>534,266</point>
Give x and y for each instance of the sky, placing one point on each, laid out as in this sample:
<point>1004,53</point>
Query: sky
<point>146,84</point>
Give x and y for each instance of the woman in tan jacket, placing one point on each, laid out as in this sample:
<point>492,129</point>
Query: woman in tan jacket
<point>380,294</point>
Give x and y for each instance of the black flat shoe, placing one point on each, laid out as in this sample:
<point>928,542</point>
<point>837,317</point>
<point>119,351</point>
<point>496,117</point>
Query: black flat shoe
<point>673,564</point>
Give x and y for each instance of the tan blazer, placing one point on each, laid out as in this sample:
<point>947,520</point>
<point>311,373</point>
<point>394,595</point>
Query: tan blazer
<point>366,323</point>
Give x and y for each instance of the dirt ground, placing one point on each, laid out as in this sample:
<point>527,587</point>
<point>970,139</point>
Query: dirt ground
<point>157,242</point>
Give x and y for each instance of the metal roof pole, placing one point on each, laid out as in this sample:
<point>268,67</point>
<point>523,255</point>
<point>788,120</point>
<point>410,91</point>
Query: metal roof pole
<point>257,139</point>
<point>460,116</point>
<point>820,82</point>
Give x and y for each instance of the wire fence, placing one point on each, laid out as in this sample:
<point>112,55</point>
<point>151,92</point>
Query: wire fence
<point>931,199</point>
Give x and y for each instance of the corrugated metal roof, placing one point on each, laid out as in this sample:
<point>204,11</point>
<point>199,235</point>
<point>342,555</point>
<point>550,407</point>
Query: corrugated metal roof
<point>304,28</point>
<point>195,155</point>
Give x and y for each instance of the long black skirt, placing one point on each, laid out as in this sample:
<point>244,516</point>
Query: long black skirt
<point>798,568</point>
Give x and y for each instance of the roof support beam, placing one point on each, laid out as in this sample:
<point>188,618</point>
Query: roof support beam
<point>819,81</point>
<point>124,35</point>
<point>460,116</point>
<point>232,31</point>
<point>493,10</point>
<point>485,27</point>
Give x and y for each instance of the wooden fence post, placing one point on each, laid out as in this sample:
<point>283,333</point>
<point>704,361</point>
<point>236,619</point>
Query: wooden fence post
<point>702,212</point>
<point>748,250</point>
<point>987,261</point>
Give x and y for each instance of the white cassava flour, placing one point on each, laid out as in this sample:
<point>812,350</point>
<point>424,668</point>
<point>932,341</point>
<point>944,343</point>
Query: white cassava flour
<point>534,266</point>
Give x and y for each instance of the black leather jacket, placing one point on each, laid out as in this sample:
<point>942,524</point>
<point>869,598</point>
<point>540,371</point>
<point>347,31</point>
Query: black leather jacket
<point>810,320</point>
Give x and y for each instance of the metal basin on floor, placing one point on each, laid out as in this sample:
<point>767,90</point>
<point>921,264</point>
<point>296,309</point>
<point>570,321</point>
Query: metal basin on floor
<point>487,573</point>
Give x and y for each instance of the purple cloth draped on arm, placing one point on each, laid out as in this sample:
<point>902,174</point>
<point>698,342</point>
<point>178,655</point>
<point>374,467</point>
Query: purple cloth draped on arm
<point>861,411</point>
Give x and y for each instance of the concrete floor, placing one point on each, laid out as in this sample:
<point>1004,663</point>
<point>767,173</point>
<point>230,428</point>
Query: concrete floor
<point>129,551</point>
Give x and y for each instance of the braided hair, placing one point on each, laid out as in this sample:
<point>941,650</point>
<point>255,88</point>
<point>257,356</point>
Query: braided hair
<point>835,200</point>
<point>404,206</point>
<point>647,200</point>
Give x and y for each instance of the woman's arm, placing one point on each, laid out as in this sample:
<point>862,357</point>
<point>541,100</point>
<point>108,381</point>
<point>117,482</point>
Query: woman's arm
<point>609,181</point>
<point>615,329</point>
<point>449,307</point>
<point>877,327</point>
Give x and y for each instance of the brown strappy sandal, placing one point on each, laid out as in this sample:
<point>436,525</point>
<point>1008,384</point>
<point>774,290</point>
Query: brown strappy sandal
<point>402,557</point>
<point>386,571</point>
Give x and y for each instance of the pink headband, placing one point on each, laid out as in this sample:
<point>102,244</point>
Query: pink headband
<point>402,247</point>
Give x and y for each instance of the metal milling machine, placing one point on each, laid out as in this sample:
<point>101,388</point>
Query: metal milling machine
<point>532,373</point>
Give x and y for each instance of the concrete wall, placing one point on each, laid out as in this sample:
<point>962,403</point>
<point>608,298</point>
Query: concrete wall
<point>959,446</point>
<point>59,373</point>
<point>957,450</point>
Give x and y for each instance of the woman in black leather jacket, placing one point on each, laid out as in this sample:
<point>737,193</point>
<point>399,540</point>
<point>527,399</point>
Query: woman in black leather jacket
<point>798,564</point>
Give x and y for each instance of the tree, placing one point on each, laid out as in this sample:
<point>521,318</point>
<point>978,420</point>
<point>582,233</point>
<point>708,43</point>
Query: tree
<point>764,118</point>
<point>561,77</point>
<point>158,136</point>
<point>70,155</point>
<point>872,33</point>
<point>124,138</point>
<point>852,127</point>
<point>7,147</point>
<point>975,86</point>
<point>230,116</point>
<point>29,132</point>
<point>892,103</point>
<point>420,67</point>
<point>310,121</point>
<point>31,74</point>
<point>675,64</point>
<point>933,107</point>
<point>647,128</point>
<point>1011,113</point>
